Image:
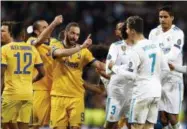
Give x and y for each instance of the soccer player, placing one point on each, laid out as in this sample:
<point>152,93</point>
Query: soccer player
<point>42,40</point>
<point>171,40</point>
<point>145,65</point>
<point>118,85</point>
<point>67,101</point>
<point>6,32</point>
<point>18,61</point>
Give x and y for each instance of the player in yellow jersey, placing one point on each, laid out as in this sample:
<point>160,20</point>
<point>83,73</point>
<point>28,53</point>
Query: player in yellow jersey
<point>67,101</point>
<point>18,61</point>
<point>41,100</point>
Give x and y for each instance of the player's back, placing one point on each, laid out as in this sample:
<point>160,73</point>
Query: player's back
<point>20,58</point>
<point>149,68</point>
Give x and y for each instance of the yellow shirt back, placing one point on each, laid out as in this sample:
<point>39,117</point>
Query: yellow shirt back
<point>46,82</point>
<point>67,73</point>
<point>20,59</point>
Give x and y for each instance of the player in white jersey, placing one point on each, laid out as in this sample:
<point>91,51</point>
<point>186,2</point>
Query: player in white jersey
<point>171,40</point>
<point>145,65</point>
<point>117,87</point>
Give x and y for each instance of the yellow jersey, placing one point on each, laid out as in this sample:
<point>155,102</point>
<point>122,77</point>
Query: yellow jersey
<point>44,49</point>
<point>20,59</point>
<point>67,73</point>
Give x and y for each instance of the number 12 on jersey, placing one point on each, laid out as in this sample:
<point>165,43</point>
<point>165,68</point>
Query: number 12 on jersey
<point>153,56</point>
<point>27,58</point>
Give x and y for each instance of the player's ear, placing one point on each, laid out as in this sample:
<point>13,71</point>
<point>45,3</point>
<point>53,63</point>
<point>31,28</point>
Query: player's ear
<point>172,18</point>
<point>36,32</point>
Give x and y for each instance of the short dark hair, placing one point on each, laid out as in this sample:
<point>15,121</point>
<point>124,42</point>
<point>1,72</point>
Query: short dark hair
<point>71,24</point>
<point>18,29</point>
<point>123,30</point>
<point>9,24</point>
<point>168,9</point>
<point>136,23</point>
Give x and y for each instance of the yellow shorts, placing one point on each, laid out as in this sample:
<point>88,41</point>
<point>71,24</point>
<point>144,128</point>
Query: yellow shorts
<point>16,110</point>
<point>66,110</point>
<point>41,108</point>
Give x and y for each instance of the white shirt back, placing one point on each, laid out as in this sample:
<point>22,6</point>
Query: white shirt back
<point>146,61</point>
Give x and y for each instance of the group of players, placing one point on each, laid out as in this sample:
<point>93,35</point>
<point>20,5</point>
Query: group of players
<point>42,78</point>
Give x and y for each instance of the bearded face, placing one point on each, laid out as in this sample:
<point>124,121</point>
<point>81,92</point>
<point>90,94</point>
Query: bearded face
<point>72,35</point>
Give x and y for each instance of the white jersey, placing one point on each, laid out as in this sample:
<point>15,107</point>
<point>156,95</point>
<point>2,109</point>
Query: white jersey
<point>118,54</point>
<point>147,62</point>
<point>171,42</point>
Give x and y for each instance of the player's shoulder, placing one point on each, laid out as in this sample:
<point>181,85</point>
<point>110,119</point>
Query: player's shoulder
<point>30,39</point>
<point>120,42</point>
<point>156,30</point>
<point>177,30</point>
<point>116,44</point>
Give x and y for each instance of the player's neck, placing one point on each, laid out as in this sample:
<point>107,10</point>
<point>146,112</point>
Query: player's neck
<point>138,37</point>
<point>166,29</point>
<point>19,39</point>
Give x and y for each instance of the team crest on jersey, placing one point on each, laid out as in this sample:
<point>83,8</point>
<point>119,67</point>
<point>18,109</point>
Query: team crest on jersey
<point>179,42</point>
<point>79,55</point>
<point>123,48</point>
<point>109,57</point>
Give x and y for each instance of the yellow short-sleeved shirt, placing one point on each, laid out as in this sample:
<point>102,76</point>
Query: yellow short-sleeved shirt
<point>20,59</point>
<point>44,49</point>
<point>67,73</point>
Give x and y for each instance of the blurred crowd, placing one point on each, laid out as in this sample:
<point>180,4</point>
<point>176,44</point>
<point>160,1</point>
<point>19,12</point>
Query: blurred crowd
<point>98,18</point>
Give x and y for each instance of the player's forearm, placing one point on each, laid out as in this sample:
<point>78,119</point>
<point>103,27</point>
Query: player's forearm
<point>66,52</point>
<point>46,33</point>
<point>94,88</point>
<point>38,77</point>
<point>180,69</point>
<point>123,72</point>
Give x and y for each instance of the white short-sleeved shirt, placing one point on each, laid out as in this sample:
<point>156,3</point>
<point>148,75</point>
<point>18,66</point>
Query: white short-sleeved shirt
<point>171,42</point>
<point>118,54</point>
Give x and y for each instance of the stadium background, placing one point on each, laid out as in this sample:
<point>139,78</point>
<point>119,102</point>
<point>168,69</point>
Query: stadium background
<point>98,18</point>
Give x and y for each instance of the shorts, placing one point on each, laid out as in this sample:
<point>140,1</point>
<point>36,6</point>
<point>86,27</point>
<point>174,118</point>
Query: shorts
<point>115,109</point>
<point>66,111</point>
<point>16,110</point>
<point>41,108</point>
<point>172,96</point>
<point>142,110</point>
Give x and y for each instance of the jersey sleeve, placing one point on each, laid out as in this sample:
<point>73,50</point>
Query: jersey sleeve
<point>4,56</point>
<point>88,57</point>
<point>181,69</point>
<point>176,48</point>
<point>55,45</point>
<point>37,61</point>
<point>112,56</point>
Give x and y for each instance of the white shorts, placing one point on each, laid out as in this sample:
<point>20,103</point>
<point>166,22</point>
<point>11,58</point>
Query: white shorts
<point>114,109</point>
<point>142,110</point>
<point>172,96</point>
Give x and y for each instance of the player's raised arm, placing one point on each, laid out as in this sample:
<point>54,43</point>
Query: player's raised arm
<point>61,52</point>
<point>42,37</point>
